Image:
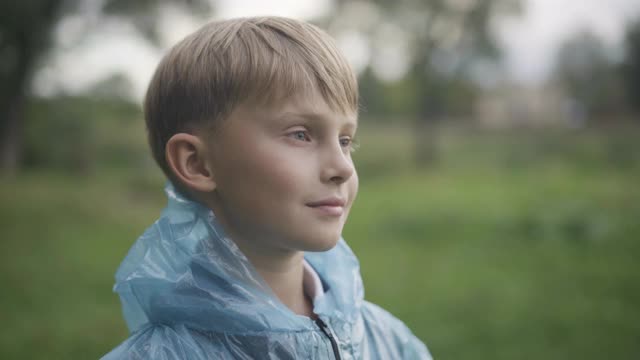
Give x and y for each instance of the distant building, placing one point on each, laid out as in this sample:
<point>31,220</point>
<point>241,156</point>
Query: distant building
<point>515,106</point>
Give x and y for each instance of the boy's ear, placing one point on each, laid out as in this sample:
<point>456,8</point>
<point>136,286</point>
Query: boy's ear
<point>187,157</point>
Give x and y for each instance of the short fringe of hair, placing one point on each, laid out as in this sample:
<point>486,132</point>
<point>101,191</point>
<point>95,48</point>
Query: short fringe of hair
<point>227,63</point>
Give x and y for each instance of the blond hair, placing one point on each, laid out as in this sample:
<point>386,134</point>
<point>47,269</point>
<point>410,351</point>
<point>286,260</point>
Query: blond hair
<point>226,63</point>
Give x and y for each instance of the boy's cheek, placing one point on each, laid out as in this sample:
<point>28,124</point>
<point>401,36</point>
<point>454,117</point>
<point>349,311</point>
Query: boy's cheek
<point>354,186</point>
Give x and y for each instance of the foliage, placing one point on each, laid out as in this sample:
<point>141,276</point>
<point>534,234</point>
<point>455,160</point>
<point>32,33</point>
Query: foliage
<point>443,41</point>
<point>585,68</point>
<point>27,37</point>
<point>631,64</point>
<point>74,134</point>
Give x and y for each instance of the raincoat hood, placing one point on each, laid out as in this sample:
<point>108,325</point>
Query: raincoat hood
<point>184,278</point>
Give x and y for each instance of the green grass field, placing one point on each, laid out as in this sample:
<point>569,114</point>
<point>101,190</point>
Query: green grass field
<point>512,246</point>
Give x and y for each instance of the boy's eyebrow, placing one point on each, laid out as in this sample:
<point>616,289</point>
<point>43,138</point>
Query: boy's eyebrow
<point>351,121</point>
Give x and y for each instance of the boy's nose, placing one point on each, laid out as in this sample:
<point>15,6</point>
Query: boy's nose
<point>337,165</point>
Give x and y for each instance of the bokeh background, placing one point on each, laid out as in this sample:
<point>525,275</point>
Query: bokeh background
<point>499,210</point>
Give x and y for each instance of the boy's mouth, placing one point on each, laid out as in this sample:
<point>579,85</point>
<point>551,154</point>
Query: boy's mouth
<point>332,206</point>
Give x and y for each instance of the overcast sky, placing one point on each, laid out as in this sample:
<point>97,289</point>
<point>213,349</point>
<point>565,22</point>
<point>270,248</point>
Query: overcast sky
<point>529,41</point>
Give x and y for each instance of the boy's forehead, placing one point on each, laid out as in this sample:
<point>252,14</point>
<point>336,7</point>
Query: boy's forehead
<point>306,101</point>
<point>309,106</point>
<point>302,98</point>
<point>348,120</point>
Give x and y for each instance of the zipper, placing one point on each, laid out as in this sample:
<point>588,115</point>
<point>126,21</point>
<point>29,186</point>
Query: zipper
<point>327,331</point>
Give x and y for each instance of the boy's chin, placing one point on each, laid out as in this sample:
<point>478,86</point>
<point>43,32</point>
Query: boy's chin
<point>322,245</point>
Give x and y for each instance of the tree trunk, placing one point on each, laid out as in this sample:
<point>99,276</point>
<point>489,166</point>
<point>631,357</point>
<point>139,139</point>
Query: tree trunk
<point>426,142</point>
<point>427,122</point>
<point>25,27</point>
<point>12,135</point>
<point>12,104</point>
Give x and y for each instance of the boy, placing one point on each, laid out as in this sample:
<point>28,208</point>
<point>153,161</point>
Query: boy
<point>252,120</point>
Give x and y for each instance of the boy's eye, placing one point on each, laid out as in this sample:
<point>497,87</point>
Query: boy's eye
<point>300,135</point>
<point>347,142</point>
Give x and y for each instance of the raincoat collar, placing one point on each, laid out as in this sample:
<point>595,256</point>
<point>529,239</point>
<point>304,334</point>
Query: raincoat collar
<point>184,269</point>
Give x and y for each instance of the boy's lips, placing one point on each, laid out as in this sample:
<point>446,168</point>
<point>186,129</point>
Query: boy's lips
<point>332,206</point>
<point>330,201</point>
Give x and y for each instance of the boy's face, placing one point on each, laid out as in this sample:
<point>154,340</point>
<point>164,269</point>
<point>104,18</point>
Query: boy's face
<point>284,175</point>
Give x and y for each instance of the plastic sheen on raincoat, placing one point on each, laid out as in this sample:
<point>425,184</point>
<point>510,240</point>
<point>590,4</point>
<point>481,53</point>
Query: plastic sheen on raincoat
<point>188,292</point>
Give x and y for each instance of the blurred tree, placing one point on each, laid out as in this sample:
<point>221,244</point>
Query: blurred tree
<point>631,65</point>
<point>115,87</point>
<point>26,38</point>
<point>585,69</point>
<point>436,43</point>
<point>111,137</point>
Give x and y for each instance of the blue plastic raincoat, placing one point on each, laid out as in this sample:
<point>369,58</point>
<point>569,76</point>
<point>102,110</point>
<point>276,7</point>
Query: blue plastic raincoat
<point>189,293</point>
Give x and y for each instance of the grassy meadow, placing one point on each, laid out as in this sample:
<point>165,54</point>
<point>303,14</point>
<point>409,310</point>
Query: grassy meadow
<point>512,245</point>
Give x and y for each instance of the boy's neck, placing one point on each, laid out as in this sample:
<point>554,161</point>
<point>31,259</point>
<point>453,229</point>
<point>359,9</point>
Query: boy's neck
<point>285,278</point>
<point>283,271</point>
